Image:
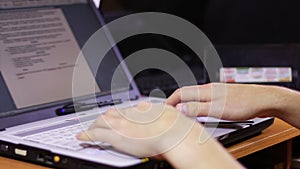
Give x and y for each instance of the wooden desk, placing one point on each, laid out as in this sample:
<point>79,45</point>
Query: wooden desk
<point>279,133</point>
<point>274,142</point>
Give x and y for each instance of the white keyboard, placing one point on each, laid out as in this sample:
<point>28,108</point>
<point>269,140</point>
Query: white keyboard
<point>64,137</point>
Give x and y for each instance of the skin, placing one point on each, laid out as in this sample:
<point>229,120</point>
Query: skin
<point>167,131</point>
<point>240,102</point>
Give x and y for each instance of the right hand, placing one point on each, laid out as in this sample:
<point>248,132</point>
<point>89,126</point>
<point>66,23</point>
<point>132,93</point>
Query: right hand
<point>227,101</point>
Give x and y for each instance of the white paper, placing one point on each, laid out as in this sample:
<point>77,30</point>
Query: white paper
<point>38,54</point>
<point>7,4</point>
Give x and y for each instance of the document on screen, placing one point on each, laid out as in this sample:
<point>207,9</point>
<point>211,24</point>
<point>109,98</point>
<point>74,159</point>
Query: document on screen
<point>38,54</point>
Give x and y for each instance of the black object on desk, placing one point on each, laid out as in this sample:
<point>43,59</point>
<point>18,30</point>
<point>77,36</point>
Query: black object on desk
<point>72,108</point>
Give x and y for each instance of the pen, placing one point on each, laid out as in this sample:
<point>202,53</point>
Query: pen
<point>226,124</point>
<point>72,108</point>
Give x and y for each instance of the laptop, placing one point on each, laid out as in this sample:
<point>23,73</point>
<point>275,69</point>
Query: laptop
<point>40,43</point>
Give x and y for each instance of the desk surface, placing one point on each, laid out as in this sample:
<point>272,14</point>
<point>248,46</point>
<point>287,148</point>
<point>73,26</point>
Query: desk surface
<point>277,133</point>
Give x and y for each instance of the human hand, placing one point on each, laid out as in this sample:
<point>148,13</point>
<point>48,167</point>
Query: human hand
<point>226,101</point>
<point>145,130</point>
<point>161,131</point>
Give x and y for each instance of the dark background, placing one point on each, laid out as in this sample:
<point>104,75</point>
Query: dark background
<point>245,33</point>
<point>225,22</point>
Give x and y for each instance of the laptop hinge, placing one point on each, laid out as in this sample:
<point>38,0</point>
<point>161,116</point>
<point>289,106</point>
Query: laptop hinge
<point>136,97</point>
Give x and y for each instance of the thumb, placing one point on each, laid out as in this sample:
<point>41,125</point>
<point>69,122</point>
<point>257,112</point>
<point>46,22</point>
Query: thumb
<point>194,108</point>
<point>85,136</point>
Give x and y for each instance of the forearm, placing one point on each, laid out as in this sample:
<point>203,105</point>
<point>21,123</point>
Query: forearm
<point>289,107</point>
<point>206,152</point>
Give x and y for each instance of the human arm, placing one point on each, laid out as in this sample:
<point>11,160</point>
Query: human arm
<point>238,101</point>
<point>160,130</point>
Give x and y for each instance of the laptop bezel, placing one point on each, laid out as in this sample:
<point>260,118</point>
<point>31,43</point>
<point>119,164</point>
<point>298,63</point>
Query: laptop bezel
<point>26,115</point>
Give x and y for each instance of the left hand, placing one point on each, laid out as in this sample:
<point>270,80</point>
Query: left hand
<point>145,130</point>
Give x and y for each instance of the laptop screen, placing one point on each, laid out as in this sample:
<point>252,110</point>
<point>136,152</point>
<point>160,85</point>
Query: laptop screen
<point>40,43</point>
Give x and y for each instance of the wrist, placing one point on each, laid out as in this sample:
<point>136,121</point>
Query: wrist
<point>200,150</point>
<point>289,105</point>
<point>182,154</point>
<point>275,101</point>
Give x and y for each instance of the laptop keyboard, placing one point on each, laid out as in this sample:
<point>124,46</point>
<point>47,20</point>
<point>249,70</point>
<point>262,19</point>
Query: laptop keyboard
<point>65,137</point>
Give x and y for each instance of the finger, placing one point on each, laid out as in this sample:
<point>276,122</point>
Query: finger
<point>191,93</point>
<point>97,134</point>
<point>88,135</point>
<point>142,113</point>
<point>113,112</point>
<point>194,108</point>
<point>117,113</point>
<point>143,104</point>
<point>84,136</point>
<point>100,122</point>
